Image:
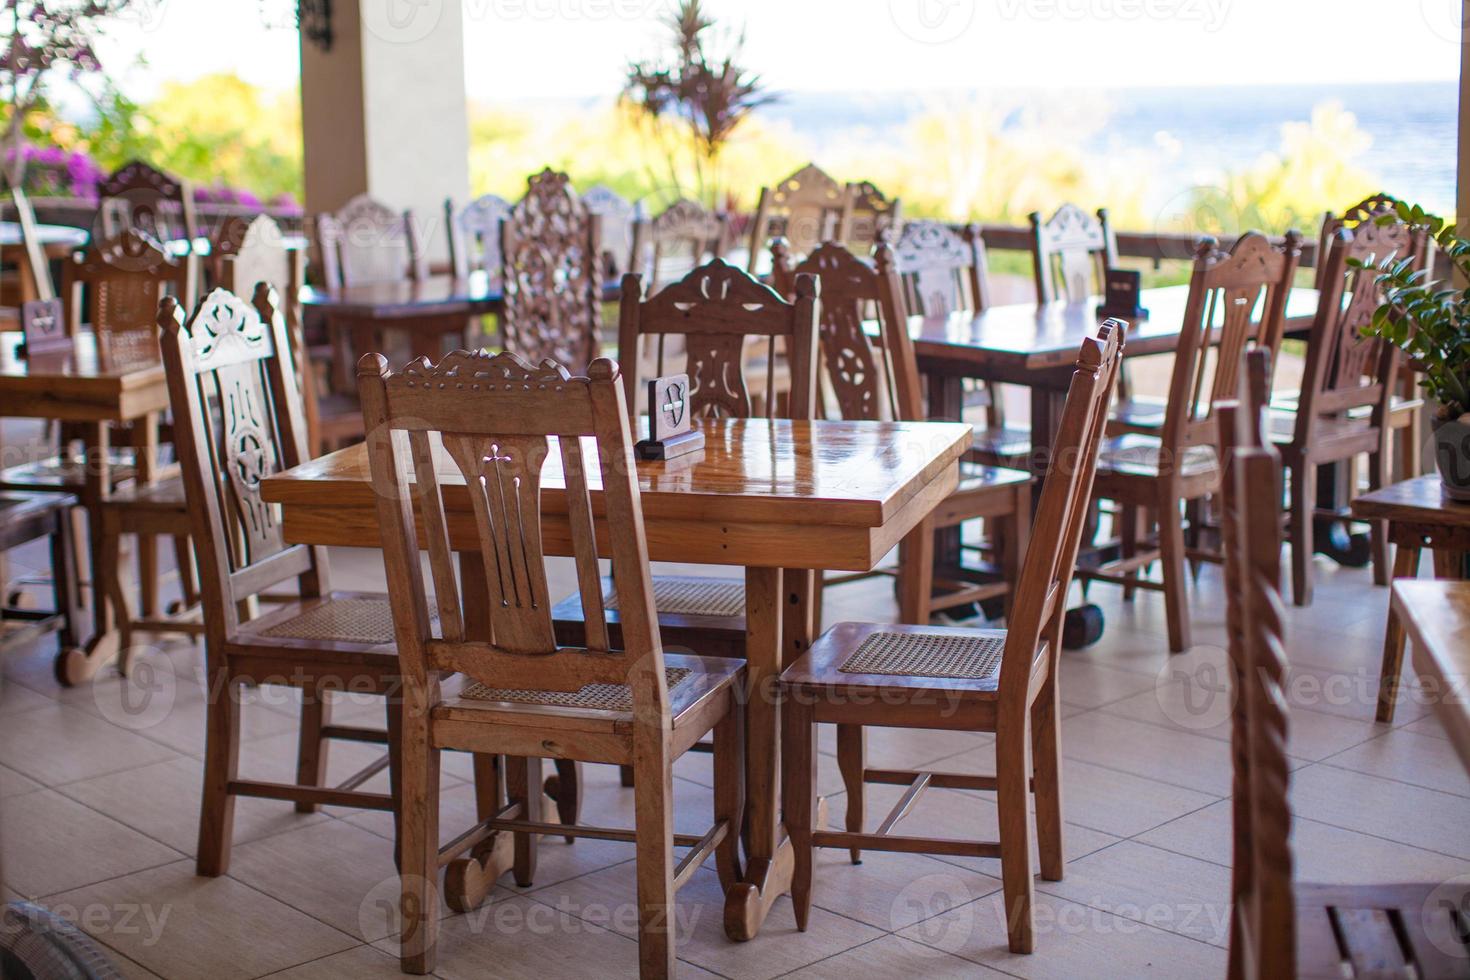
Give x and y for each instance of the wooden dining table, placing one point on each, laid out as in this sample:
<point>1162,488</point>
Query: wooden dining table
<point>779,499</point>
<point>53,241</point>
<point>76,386</point>
<point>1436,615</point>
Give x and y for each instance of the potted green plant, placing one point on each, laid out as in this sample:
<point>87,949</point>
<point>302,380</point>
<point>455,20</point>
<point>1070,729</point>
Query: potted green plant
<point>1429,320</point>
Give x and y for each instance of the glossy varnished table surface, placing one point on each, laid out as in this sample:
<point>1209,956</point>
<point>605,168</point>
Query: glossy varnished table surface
<point>1436,615</point>
<point>407,299</point>
<point>1420,500</point>
<point>75,385</point>
<point>776,498</point>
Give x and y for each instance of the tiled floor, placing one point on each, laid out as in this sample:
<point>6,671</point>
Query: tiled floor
<point>100,789</point>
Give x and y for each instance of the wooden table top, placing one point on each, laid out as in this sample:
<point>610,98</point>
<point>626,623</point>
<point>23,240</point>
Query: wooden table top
<point>409,298</point>
<point>1420,500</point>
<point>48,235</point>
<point>1436,615</point>
<point>1021,337</point>
<point>766,493</point>
<point>74,385</point>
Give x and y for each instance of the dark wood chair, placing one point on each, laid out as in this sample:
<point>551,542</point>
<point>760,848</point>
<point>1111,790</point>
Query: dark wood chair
<point>490,674</point>
<point>1347,391</point>
<point>1237,299</point>
<point>26,517</point>
<point>684,228</point>
<point>474,235</point>
<point>161,205</point>
<point>805,209</point>
<point>861,675</point>
<point>868,217</point>
<point>238,419</point>
<point>872,381</point>
<point>1281,927</point>
<point>552,275</point>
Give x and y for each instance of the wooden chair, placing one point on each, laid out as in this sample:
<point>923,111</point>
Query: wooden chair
<point>872,381</point>
<point>683,228</point>
<point>474,235</point>
<point>1070,252</point>
<point>367,241</point>
<point>159,204</point>
<point>26,517</point>
<point>805,209</point>
<point>1347,391</point>
<point>617,219</point>
<point>1241,297</point>
<point>490,676</point>
<point>1281,927</point>
<point>867,217</point>
<point>251,252</point>
<point>552,275</point>
<point>238,419</point>
<point>861,675</point>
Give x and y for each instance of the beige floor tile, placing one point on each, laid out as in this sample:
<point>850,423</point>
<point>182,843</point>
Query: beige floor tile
<point>1189,761</point>
<point>129,969</point>
<point>1071,941</point>
<point>905,748</point>
<point>890,891</point>
<point>13,783</point>
<point>1345,692</point>
<point>1085,683</point>
<point>362,963</point>
<point>894,956</point>
<point>57,744</point>
<point>520,937</point>
<point>180,925</point>
<point>54,844</point>
<point>1396,811</point>
<point>162,800</point>
<point>1167,890</point>
<point>1409,758</point>
<point>15,698</point>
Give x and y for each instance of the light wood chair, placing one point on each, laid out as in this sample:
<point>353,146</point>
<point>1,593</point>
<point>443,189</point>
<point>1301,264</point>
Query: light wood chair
<point>490,676</point>
<point>238,419</point>
<point>1240,297</point>
<point>868,217</point>
<point>873,381</point>
<point>861,675</point>
<point>366,241</point>
<point>805,209</point>
<point>552,275</point>
<point>1070,252</point>
<point>1281,927</point>
<point>474,236</point>
<point>1347,391</point>
<point>618,219</point>
<point>684,228</point>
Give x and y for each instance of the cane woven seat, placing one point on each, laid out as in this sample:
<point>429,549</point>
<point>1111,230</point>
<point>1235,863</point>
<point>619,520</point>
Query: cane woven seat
<point>597,697</point>
<point>964,655</point>
<point>690,595</point>
<point>359,619</point>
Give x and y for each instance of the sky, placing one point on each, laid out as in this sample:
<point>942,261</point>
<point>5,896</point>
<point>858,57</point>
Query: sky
<point>522,49</point>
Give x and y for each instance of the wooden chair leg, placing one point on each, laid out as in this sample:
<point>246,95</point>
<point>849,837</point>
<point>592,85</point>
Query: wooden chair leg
<point>625,775</point>
<point>916,574</point>
<point>851,752</point>
<point>311,750</point>
<point>394,714</point>
<point>418,852</point>
<point>729,760</point>
<point>798,777</point>
<point>65,584</point>
<point>1303,505</point>
<point>654,820</point>
<point>488,784</point>
<point>1046,760</point>
<point>184,562</point>
<point>147,545</point>
<point>568,792</point>
<point>1129,517</point>
<point>1405,565</point>
<point>1378,477</point>
<point>1018,529</point>
<point>523,783</point>
<point>1012,776</point>
<point>221,763</point>
<point>1171,556</point>
<point>113,587</point>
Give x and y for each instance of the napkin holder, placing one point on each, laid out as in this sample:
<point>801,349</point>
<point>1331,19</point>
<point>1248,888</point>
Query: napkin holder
<point>671,431</point>
<point>1121,291</point>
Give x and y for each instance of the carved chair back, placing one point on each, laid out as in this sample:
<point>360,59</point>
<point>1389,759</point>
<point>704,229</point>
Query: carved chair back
<point>805,209</point>
<point>140,196</point>
<point>1035,620</point>
<point>246,251</point>
<point>1237,300</point>
<point>618,219</point>
<point>237,420</point>
<point>1365,210</point>
<point>123,280</point>
<point>552,275</point>
<point>715,309</point>
<point>367,241</point>
<point>516,447</point>
<point>474,235</point>
<point>1344,369</point>
<point>683,228</point>
<point>1263,924</point>
<point>1071,251</point>
<point>867,216</point>
<point>942,270</point>
<point>40,269</point>
<point>871,377</point>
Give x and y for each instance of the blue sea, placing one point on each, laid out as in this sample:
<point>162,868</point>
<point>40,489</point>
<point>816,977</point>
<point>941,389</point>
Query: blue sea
<point>1206,129</point>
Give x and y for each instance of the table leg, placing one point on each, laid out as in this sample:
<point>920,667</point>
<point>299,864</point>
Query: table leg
<point>770,859</point>
<point>77,664</point>
<point>946,402</point>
